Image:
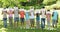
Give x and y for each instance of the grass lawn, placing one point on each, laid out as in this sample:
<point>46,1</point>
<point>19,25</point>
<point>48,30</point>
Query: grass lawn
<point>9,29</point>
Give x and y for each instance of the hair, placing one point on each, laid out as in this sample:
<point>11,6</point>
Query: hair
<point>55,8</point>
<point>48,10</point>
<point>4,8</point>
<point>43,7</point>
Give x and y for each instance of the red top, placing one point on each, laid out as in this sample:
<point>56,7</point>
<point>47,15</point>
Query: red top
<point>22,13</point>
<point>48,16</point>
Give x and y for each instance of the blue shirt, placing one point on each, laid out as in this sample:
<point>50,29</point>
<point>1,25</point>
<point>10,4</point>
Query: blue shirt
<point>55,15</point>
<point>27,15</point>
<point>37,16</point>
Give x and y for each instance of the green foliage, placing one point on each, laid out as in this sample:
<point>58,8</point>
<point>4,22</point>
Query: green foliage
<point>11,3</point>
<point>49,2</point>
<point>35,3</point>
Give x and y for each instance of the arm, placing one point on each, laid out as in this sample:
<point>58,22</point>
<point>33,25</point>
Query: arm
<point>52,14</point>
<point>40,12</point>
<point>57,18</point>
<point>34,14</point>
<point>24,13</point>
<point>7,12</point>
<point>45,12</point>
<point>18,12</point>
<point>12,12</point>
<point>29,13</point>
<point>2,12</point>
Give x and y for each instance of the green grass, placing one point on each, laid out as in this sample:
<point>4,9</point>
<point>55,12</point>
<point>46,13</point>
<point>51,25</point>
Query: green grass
<point>30,30</point>
<point>9,29</point>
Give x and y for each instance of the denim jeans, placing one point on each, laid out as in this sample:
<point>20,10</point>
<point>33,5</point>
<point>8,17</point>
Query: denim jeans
<point>5,22</point>
<point>42,22</point>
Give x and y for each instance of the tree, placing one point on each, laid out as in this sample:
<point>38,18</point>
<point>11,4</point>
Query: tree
<point>49,2</point>
<point>1,4</point>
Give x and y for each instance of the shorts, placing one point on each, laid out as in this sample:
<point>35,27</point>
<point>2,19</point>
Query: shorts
<point>10,18</point>
<point>32,21</point>
<point>16,19</point>
<point>4,19</point>
<point>22,20</point>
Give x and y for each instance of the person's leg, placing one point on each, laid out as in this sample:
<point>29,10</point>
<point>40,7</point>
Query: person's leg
<point>53,23</point>
<point>48,23</point>
<point>33,22</point>
<point>38,24</point>
<point>27,24</point>
<point>44,22</point>
<point>41,23</point>
<point>5,22</point>
<point>10,21</point>
<point>17,21</point>
<point>23,22</point>
<point>56,23</point>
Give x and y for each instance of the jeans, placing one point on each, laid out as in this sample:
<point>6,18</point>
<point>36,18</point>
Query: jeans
<point>5,22</point>
<point>16,19</point>
<point>54,22</point>
<point>42,22</point>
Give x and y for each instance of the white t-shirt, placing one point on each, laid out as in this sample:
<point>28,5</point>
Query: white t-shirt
<point>4,14</point>
<point>16,12</point>
<point>43,11</point>
<point>32,14</point>
<point>37,11</point>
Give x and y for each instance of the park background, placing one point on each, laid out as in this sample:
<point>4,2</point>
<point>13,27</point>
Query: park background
<point>38,4</point>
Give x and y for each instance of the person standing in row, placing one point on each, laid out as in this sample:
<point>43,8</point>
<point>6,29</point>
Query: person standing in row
<point>10,13</point>
<point>4,12</point>
<point>16,17</point>
<point>32,17</point>
<point>37,18</point>
<point>22,13</point>
<point>54,18</point>
<point>43,16</point>
<point>27,19</point>
<point>48,16</point>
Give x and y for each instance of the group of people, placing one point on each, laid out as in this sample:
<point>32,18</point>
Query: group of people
<point>28,16</point>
